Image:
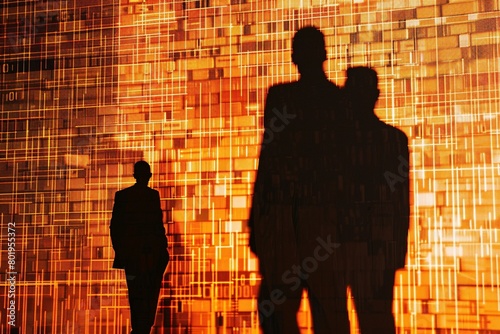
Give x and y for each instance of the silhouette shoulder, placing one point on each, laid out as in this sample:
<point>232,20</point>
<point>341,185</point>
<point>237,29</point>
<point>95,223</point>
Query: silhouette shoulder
<point>125,191</point>
<point>121,192</point>
<point>134,191</point>
<point>399,134</point>
<point>278,96</point>
<point>282,87</point>
<point>393,132</point>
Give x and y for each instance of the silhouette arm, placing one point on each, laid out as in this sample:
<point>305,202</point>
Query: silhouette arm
<point>263,172</point>
<point>158,217</point>
<point>117,224</point>
<point>402,195</point>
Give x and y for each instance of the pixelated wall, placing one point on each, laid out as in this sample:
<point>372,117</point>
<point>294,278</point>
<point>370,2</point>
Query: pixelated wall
<point>89,87</point>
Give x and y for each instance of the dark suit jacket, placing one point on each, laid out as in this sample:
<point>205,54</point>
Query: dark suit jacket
<point>374,200</point>
<point>137,230</point>
<point>293,184</point>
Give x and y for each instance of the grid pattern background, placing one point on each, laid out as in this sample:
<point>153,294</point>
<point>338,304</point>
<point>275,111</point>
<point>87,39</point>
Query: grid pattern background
<point>89,87</point>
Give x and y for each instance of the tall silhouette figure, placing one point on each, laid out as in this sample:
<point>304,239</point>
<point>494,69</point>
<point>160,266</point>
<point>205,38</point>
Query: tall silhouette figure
<point>140,245</point>
<point>373,206</point>
<point>291,220</point>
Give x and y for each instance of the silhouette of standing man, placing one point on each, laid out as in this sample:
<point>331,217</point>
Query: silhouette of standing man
<point>140,245</point>
<point>375,205</point>
<point>291,227</point>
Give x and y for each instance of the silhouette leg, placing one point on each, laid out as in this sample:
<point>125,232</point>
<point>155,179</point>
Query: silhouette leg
<point>143,293</point>
<point>156,280</point>
<point>329,315</point>
<point>278,315</point>
<point>327,291</point>
<point>374,303</point>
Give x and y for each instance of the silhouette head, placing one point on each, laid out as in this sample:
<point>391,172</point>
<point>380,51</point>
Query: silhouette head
<point>308,50</point>
<point>142,172</point>
<point>362,87</point>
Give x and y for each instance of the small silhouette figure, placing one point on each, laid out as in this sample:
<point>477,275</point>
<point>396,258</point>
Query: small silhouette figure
<point>374,205</point>
<point>291,219</point>
<point>140,244</point>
